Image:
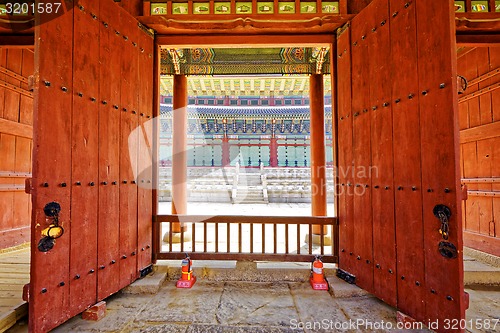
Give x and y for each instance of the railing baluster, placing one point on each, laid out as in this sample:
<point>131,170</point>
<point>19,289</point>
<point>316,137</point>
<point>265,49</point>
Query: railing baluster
<point>193,232</point>
<point>170,236</point>
<point>228,237</point>
<point>205,237</point>
<point>310,239</point>
<point>182,237</point>
<point>275,237</point>
<point>298,238</point>
<point>286,239</point>
<point>263,238</point>
<point>335,237</point>
<point>216,237</point>
<point>240,231</point>
<point>251,237</point>
<point>322,239</point>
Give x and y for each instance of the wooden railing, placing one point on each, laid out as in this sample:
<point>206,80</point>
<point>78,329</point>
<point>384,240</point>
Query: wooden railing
<point>232,237</point>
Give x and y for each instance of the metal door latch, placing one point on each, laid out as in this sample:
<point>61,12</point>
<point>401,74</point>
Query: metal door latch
<point>447,249</point>
<point>54,230</point>
<point>443,213</point>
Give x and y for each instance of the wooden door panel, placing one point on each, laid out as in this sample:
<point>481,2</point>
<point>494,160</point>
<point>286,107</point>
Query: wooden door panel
<point>440,152</point>
<point>382,169</point>
<point>407,176</point>
<point>145,153</point>
<point>346,235</point>
<point>88,65</point>
<point>49,300</point>
<point>109,153</point>
<point>363,221</point>
<point>405,127</point>
<point>85,137</point>
<point>128,156</point>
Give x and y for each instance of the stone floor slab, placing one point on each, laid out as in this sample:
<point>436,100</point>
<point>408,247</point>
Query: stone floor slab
<point>239,329</point>
<point>150,284</point>
<point>264,304</point>
<point>196,305</point>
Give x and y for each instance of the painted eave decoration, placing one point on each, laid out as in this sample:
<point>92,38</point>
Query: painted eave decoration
<point>245,61</point>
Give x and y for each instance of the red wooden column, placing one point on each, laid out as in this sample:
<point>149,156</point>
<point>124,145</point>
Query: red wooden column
<point>226,159</point>
<point>273,152</point>
<point>179,149</point>
<point>317,130</point>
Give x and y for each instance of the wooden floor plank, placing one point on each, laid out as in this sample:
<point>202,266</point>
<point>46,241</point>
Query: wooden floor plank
<point>9,316</point>
<point>11,294</point>
<point>11,302</point>
<point>7,320</point>
<point>13,281</point>
<point>14,274</point>
<point>14,266</point>
<point>10,287</point>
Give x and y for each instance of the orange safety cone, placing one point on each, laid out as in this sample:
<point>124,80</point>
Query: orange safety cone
<point>317,279</point>
<point>187,278</point>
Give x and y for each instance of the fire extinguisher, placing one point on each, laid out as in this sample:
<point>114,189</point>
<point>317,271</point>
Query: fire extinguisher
<point>187,279</point>
<point>186,268</point>
<point>317,270</point>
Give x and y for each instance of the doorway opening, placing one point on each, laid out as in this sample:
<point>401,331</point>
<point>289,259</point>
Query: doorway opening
<point>248,145</point>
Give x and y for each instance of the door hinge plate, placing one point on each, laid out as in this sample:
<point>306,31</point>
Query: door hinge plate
<point>146,270</point>
<point>346,276</point>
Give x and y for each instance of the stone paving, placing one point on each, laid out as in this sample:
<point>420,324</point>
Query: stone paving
<point>259,307</point>
<point>245,307</point>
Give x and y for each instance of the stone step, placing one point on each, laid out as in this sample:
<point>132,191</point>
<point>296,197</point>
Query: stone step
<point>478,272</point>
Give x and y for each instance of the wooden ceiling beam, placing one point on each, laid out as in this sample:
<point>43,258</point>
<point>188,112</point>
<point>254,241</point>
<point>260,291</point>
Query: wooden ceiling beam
<point>478,40</point>
<point>247,25</point>
<point>235,41</point>
<point>17,41</point>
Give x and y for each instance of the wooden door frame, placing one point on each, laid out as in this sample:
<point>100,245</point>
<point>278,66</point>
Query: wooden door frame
<point>240,41</point>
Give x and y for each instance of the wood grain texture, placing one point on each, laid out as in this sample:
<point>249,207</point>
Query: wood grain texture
<point>346,232</point>
<point>14,128</point>
<point>109,154</point>
<point>83,124</point>
<point>128,152</point>
<point>382,168</point>
<point>363,221</point>
<point>438,145</point>
<point>52,133</point>
<point>481,132</point>
<point>145,153</point>
<point>84,156</point>
<point>407,175</point>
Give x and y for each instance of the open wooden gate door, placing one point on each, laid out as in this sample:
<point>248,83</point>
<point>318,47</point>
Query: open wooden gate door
<point>94,75</point>
<point>398,158</point>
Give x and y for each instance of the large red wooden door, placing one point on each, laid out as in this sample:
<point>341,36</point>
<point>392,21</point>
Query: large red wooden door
<point>94,74</point>
<point>398,158</point>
